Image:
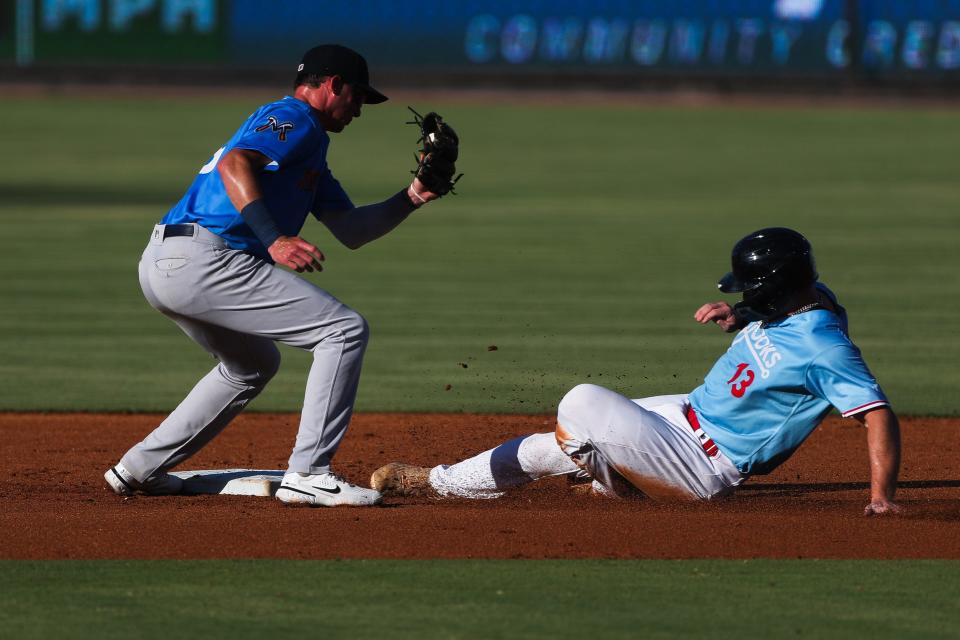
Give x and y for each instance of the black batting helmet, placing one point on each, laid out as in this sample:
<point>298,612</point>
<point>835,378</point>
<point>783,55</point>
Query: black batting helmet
<point>769,266</point>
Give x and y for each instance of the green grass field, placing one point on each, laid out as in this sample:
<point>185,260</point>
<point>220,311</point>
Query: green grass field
<point>480,599</point>
<point>583,239</point>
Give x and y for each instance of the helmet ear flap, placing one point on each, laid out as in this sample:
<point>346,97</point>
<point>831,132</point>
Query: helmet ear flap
<point>759,301</point>
<point>747,313</point>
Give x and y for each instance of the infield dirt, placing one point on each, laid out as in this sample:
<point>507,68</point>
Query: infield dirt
<point>55,504</point>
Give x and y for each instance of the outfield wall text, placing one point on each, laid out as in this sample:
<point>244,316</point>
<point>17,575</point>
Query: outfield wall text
<point>889,39</point>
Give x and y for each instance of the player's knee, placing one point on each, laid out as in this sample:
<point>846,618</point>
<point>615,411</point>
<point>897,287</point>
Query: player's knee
<point>573,414</point>
<point>344,325</point>
<point>269,365</point>
<point>578,401</point>
<point>563,436</point>
<point>356,327</point>
<point>257,369</point>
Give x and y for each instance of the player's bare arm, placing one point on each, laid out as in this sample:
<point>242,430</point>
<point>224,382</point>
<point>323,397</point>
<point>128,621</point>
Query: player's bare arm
<point>720,313</point>
<point>883,444</point>
<point>239,169</point>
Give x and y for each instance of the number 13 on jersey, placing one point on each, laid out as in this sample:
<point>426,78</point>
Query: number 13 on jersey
<point>740,380</point>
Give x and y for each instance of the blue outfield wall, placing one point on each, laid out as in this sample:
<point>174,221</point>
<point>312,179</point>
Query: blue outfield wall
<point>898,39</point>
<point>916,38</point>
<point>704,35</point>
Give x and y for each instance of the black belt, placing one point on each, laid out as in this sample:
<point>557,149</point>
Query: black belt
<point>176,230</point>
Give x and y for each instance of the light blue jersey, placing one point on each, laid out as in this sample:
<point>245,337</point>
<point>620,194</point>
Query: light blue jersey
<point>295,183</point>
<point>777,381</point>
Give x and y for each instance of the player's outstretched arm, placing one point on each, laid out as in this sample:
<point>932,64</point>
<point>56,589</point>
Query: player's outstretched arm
<point>883,444</point>
<point>720,313</point>
<point>239,169</point>
<point>357,226</point>
<point>360,225</point>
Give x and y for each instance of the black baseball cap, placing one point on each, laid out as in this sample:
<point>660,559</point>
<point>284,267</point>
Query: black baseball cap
<point>337,60</point>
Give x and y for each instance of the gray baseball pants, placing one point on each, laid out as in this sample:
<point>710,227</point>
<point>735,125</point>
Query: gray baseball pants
<point>644,444</point>
<point>624,445</point>
<point>236,305</point>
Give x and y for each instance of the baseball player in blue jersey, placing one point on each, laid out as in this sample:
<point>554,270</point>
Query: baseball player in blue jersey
<point>791,361</point>
<point>211,267</point>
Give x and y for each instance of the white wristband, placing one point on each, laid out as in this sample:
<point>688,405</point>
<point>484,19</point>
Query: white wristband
<point>412,190</point>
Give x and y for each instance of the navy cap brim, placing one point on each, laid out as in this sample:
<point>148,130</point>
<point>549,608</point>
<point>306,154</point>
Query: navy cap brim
<point>372,95</point>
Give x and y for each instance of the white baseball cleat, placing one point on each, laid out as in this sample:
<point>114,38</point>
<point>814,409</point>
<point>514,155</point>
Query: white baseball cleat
<point>324,490</point>
<point>399,479</point>
<point>160,484</point>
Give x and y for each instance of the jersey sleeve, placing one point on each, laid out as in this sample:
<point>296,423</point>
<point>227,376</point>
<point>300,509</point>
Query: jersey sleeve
<point>841,377</point>
<point>283,134</point>
<point>329,196</point>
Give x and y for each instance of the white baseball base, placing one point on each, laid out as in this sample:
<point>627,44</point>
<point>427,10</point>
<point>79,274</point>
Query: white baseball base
<point>231,482</point>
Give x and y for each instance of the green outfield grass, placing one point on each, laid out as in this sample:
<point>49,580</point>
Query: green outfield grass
<point>480,599</point>
<point>583,240</point>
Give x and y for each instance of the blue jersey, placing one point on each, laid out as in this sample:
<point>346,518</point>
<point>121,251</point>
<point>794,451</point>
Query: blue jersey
<point>295,182</point>
<point>777,381</point>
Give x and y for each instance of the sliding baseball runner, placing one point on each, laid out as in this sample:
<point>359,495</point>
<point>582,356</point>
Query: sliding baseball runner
<point>791,362</point>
